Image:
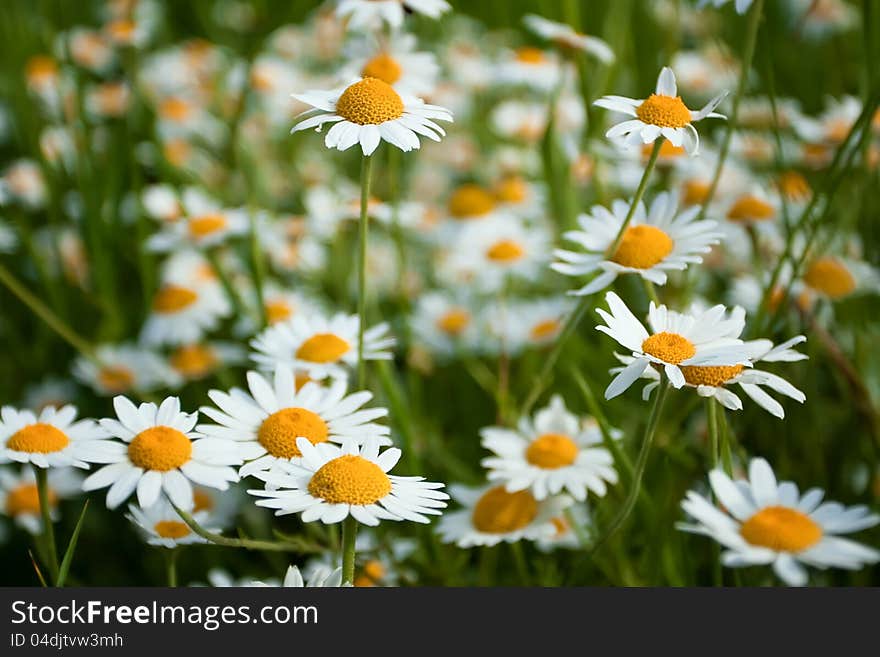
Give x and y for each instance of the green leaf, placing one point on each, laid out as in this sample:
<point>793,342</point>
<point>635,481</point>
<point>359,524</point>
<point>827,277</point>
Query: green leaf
<point>37,569</point>
<point>71,547</point>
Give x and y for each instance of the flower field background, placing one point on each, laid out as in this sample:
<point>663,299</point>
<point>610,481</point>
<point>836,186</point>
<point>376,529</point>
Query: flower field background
<point>165,234</point>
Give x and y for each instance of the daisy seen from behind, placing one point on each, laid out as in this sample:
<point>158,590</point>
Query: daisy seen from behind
<point>770,523</point>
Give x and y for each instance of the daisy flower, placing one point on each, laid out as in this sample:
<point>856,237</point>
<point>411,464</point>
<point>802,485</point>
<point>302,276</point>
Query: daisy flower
<point>319,346</point>
<point>51,439</point>
<point>753,206</point>
<point>677,340</point>
<point>566,536</point>
<point>120,369</point>
<point>197,361</point>
<point>205,228</point>
<point>20,499</point>
<point>837,278</point>
<point>445,323</point>
<point>657,240</point>
<point>159,452</point>
<point>491,515</point>
<point>523,324</point>
<point>554,452</point>
<point>332,482</point>
<point>471,201</point>
<point>267,422</point>
<point>515,194</point>
<point>663,113</point>
<point>368,111</point>
<point>765,522</point>
<point>398,64</point>
<point>367,14</point>
<point>530,67</point>
<point>163,527</point>
<point>319,577</point>
<point>568,38</point>
<point>183,313</point>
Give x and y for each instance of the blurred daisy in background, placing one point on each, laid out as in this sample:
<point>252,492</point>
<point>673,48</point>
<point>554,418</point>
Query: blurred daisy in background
<point>50,439</point>
<point>183,313</point>
<point>445,324</point>
<point>120,369</point>
<point>567,38</point>
<point>20,500</point>
<point>369,14</point>
<point>320,577</point>
<point>529,67</point>
<point>162,526</point>
<point>197,361</point>
<point>397,63</point>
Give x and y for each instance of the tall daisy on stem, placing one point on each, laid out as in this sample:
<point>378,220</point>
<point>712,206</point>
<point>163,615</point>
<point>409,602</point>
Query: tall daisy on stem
<point>366,112</point>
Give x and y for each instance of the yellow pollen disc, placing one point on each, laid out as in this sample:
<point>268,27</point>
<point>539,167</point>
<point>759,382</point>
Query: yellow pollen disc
<point>831,277</point>
<point>470,200</point>
<point>38,438</point>
<point>561,526</point>
<point>782,529</point>
<point>206,224</point>
<point>668,150</point>
<point>371,575</point>
<point>511,189</point>
<point>160,448</point>
<point>194,361</point>
<point>279,431</point>
<point>26,499</point>
<point>694,192</point>
<point>171,529</point>
<point>530,55</point>
<point>505,251</point>
<point>642,247</point>
<point>116,378</point>
<point>176,151</point>
<point>664,111</point>
<point>544,330</point>
<point>714,375</point>
<point>277,310</point>
<point>454,321</point>
<point>369,102</point>
<point>173,298</point>
<point>350,479</point>
<point>383,67</point>
<point>500,512</point>
<point>323,348</point>
<point>551,451</point>
<point>174,109</point>
<point>794,186</point>
<point>202,501</point>
<point>41,67</point>
<point>300,379</point>
<point>751,208</point>
<point>669,347</point>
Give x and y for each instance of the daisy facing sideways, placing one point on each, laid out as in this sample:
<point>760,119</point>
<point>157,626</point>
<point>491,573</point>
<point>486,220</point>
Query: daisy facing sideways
<point>657,240</point>
<point>51,439</point>
<point>331,483</point>
<point>765,522</point>
<point>491,514</point>
<point>159,453</point>
<point>368,111</point>
<point>556,452</point>
<point>662,114</point>
<point>568,38</point>
<point>266,423</point>
<point>677,340</point>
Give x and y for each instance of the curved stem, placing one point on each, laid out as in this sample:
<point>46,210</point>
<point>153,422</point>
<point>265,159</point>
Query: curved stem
<point>48,528</point>
<point>640,192</point>
<point>363,224</point>
<point>349,537</point>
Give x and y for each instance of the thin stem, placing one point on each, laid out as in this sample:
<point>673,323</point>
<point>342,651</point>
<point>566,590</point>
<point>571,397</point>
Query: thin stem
<point>226,282</point>
<point>363,225</point>
<point>712,422</point>
<point>641,461</point>
<point>651,291</point>
<point>519,558</point>
<point>578,529</point>
<point>45,313</point>
<point>748,54</point>
<point>724,430</point>
<point>640,192</point>
<point>171,566</point>
<point>258,266</point>
<point>349,537</point>
<point>48,527</point>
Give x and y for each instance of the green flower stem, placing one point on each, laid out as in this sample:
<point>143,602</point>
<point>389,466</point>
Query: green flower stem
<point>258,266</point>
<point>754,23</point>
<point>228,286</point>
<point>45,313</point>
<point>171,566</point>
<point>724,431</point>
<point>519,558</point>
<point>641,461</point>
<point>349,537</point>
<point>651,291</point>
<point>363,230</point>
<point>640,192</point>
<point>712,425</point>
<point>48,528</point>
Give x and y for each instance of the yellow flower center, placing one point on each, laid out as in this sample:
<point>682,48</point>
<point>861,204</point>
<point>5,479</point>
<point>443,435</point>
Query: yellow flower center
<point>173,298</point>
<point>544,330</point>
<point>206,224</point>
<point>323,348</point>
<point>350,479</point>
<point>837,130</point>
<point>642,247</point>
<point>794,186</point>
<point>511,189</point>
<point>160,448</point>
<point>831,277</point>
<point>470,200</point>
<point>782,529</point>
<point>176,151</point>
<point>369,102</point>
<point>710,375</point>
<point>694,192</point>
<point>277,310</point>
<point>551,451</point>
<point>500,512</point>
<point>174,109</point>
<point>38,438</point>
<point>202,501</point>
<point>530,55</point>
<point>561,526</point>
<point>371,575</point>
<point>669,347</point>
<point>279,431</point>
<point>383,67</point>
<point>664,111</point>
<point>750,208</point>
<point>300,379</point>
<point>173,529</point>
<point>26,499</point>
<point>454,322</point>
<point>668,150</point>
<point>194,361</point>
<point>116,378</point>
<point>505,251</point>
<point>41,67</point>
